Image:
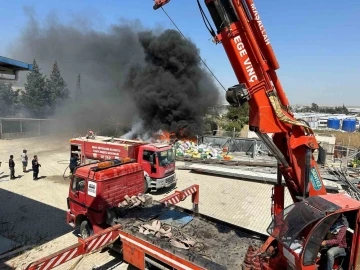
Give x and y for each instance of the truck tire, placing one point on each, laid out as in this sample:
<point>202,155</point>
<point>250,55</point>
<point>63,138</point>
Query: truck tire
<point>85,229</point>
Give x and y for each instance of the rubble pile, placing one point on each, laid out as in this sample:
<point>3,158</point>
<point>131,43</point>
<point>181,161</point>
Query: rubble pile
<point>188,149</point>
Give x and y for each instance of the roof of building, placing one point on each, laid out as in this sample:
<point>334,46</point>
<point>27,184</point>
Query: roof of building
<point>8,66</point>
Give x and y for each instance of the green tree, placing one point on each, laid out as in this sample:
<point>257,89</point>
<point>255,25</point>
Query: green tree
<point>210,125</point>
<point>234,126</point>
<point>236,117</point>
<point>36,99</point>
<point>238,113</point>
<point>345,110</point>
<point>314,107</point>
<point>57,87</point>
<point>9,100</point>
<point>207,127</point>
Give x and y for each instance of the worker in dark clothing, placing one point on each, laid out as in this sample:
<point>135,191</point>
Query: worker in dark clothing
<point>337,245</point>
<point>35,167</point>
<point>73,162</point>
<point>12,167</point>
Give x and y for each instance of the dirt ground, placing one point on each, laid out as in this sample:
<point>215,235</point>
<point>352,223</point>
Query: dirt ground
<point>34,212</point>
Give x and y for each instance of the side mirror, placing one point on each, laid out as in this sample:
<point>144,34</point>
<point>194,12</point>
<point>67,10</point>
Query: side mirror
<point>76,194</point>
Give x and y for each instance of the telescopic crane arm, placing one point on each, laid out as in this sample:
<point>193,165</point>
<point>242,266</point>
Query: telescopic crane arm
<point>241,32</point>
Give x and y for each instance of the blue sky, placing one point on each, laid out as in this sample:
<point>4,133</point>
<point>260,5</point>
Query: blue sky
<point>316,42</point>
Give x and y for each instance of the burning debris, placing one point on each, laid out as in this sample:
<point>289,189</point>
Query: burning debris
<point>127,74</point>
<point>136,133</point>
<point>185,147</point>
<point>158,136</point>
<point>188,149</point>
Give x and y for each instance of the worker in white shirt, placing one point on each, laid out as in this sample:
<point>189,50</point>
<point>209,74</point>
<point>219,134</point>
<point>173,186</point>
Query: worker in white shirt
<point>24,159</point>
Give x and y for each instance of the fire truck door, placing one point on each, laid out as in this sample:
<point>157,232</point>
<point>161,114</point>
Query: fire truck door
<point>78,192</point>
<point>149,161</point>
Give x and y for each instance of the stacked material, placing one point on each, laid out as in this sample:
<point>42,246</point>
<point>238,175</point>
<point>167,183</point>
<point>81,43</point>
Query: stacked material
<point>189,149</point>
<point>176,237</point>
<point>134,201</point>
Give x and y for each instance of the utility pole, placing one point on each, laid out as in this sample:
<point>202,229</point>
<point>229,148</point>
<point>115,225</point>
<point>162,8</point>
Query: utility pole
<point>78,94</point>
<point>78,88</point>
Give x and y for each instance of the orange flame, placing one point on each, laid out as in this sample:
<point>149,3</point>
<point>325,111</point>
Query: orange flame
<point>170,137</point>
<point>182,132</point>
<point>166,136</point>
<point>190,139</point>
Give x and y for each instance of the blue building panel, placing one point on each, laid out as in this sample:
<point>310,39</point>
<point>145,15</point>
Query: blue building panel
<point>14,64</point>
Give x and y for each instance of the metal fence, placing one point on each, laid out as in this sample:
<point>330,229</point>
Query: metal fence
<point>249,146</point>
<point>342,152</point>
<point>13,128</point>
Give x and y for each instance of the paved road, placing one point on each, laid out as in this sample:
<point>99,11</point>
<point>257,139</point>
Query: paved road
<point>33,212</point>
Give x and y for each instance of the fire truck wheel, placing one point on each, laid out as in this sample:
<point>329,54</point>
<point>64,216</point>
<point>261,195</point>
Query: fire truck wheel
<point>85,229</point>
<point>146,186</point>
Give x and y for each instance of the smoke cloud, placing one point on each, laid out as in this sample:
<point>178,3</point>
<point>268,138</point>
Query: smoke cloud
<point>128,74</point>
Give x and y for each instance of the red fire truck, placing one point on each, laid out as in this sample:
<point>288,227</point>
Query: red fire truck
<point>97,188</point>
<point>157,159</point>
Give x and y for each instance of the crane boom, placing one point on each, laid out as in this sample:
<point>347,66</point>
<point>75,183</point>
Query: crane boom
<point>241,32</point>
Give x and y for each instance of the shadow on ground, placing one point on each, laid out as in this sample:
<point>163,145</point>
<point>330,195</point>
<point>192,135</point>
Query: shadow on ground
<point>29,222</point>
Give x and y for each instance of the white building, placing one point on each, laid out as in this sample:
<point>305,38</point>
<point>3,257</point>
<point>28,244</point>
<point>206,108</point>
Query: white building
<point>20,89</point>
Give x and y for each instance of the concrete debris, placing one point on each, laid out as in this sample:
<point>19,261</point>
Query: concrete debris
<point>159,230</point>
<point>134,201</point>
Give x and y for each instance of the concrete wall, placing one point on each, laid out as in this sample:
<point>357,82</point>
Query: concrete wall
<point>327,141</point>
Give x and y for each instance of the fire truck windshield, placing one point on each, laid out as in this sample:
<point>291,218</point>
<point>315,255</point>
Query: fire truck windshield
<point>166,157</point>
<point>291,224</point>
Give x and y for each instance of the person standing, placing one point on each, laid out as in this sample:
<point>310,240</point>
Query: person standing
<point>35,167</point>
<point>24,159</point>
<point>73,162</point>
<point>12,167</point>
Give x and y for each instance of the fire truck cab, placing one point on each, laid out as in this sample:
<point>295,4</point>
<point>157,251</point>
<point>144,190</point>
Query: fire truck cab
<point>157,159</point>
<point>96,188</point>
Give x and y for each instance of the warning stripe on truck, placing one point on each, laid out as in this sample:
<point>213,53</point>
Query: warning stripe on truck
<point>180,195</point>
<point>85,246</point>
<point>52,262</point>
<point>99,242</point>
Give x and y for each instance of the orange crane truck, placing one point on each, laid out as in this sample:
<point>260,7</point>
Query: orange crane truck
<point>297,232</point>
<point>157,159</point>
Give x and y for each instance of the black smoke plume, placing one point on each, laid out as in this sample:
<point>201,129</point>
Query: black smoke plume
<point>128,74</point>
